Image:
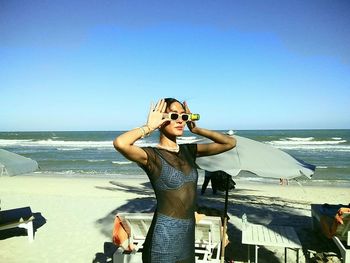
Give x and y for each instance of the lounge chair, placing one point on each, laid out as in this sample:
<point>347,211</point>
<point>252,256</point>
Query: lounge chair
<point>324,215</point>
<point>137,225</point>
<point>208,235</point>
<point>18,217</point>
<point>271,235</point>
<point>207,238</point>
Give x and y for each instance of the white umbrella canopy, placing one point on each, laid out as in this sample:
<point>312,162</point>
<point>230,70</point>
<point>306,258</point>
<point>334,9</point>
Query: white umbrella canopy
<point>258,158</point>
<point>13,164</point>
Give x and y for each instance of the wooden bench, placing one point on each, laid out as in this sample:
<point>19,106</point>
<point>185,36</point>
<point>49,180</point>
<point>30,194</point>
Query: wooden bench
<point>274,236</point>
<point>18,217</point>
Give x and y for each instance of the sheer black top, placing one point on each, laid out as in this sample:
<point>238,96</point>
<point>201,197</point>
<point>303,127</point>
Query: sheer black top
<point>174,179</point>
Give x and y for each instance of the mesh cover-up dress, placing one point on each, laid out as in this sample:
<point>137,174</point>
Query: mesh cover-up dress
<point>174,177</point>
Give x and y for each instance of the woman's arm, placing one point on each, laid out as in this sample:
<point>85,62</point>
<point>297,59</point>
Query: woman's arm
<point>125,145</point>
<point>221,142</point>
<point>125,142</point>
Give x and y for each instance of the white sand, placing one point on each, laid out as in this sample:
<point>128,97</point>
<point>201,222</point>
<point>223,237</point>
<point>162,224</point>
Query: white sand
<point>79,213</point>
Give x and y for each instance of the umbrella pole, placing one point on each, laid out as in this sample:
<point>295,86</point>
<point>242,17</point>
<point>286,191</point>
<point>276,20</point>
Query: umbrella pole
<point>223,240</point>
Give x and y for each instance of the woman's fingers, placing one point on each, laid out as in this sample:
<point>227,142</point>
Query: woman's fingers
<point>160,105</point>
<point>187,109</point>
<point>152,107</point>
<point>155,107</point>
<point>163,106</point>
<point>156,116</point>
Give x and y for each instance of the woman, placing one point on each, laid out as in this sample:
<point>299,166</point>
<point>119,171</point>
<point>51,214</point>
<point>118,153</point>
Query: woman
<point>172,171</point>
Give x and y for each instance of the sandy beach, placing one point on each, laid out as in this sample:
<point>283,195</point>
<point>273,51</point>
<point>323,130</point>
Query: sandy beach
<point>74,216</point>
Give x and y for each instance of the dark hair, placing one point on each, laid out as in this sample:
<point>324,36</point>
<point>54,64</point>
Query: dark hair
<point>170,101</point>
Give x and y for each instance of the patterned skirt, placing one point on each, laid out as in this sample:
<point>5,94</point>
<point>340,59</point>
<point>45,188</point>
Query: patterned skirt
<point>172,240</point>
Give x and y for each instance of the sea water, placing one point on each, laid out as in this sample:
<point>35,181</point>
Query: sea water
<point>91,153</point>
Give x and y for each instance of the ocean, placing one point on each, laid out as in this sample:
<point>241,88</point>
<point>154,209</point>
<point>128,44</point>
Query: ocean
<point>91,153</point>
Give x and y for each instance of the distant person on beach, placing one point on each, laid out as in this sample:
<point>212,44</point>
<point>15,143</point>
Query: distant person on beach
<point>172,172</point>
<point>283,181</point>
<point>209,176</point>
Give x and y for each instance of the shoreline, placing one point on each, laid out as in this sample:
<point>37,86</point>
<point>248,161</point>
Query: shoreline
<point>76,214</point>
<point>244,179</point>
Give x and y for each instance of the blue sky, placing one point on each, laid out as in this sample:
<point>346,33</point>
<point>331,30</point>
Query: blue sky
<point>97,65</point>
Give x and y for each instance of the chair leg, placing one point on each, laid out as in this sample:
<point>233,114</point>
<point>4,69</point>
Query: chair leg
<point>29,227</point>
<point>30,231</point>
<point>346,256</point>
<point>248,254</point>
<point>285,255</point>
<point>298,255</point>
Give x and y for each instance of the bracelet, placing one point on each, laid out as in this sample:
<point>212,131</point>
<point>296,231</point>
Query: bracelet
<point>143,132</point>
<point>149,130</point>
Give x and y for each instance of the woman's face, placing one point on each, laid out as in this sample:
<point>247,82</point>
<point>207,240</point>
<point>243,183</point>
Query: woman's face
<point>175,127</point>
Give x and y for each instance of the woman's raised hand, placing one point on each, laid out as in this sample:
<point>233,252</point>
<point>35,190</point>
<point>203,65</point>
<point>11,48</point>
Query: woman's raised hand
<point>190,124</point>
<point>156,115</point>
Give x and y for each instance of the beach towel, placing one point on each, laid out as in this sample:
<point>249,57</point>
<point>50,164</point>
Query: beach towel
<point>335,226</point>
<point>121,234</point>
<point>219,181</point>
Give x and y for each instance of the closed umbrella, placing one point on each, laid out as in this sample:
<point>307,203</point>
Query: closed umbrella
<point>257,158</point>
<point>13,164</point>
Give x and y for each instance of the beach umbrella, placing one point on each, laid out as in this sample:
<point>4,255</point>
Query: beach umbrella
<point>255,157</point>
<point>13,164</point>
<point>258,158</point>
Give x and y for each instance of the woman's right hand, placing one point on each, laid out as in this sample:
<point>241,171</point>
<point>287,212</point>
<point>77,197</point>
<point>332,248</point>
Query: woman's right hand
<point>190,124</point>
<point>156,115</point>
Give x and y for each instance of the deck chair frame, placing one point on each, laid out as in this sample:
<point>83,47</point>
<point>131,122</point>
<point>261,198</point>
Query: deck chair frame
<point>208,236</point>
<point>139,223</point>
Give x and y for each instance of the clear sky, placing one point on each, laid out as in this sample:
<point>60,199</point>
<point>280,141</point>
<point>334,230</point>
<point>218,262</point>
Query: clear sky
<point>97,65</point>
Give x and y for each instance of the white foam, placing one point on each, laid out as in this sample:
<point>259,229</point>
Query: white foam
<point>332,148</point>
<point>298,139</point>
<point>180,140</point>
<point>62,145</point>
<point>4,142</point>
<point>305,142</point>
<point>121,162</point>
<point>145,143</point>
<point>188,139</point>
<point>296,143</point>
<point>70,149</point>
<point>59,144</point>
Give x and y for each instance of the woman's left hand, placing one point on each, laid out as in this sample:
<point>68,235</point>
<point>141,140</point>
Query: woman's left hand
<point>190,124</point>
